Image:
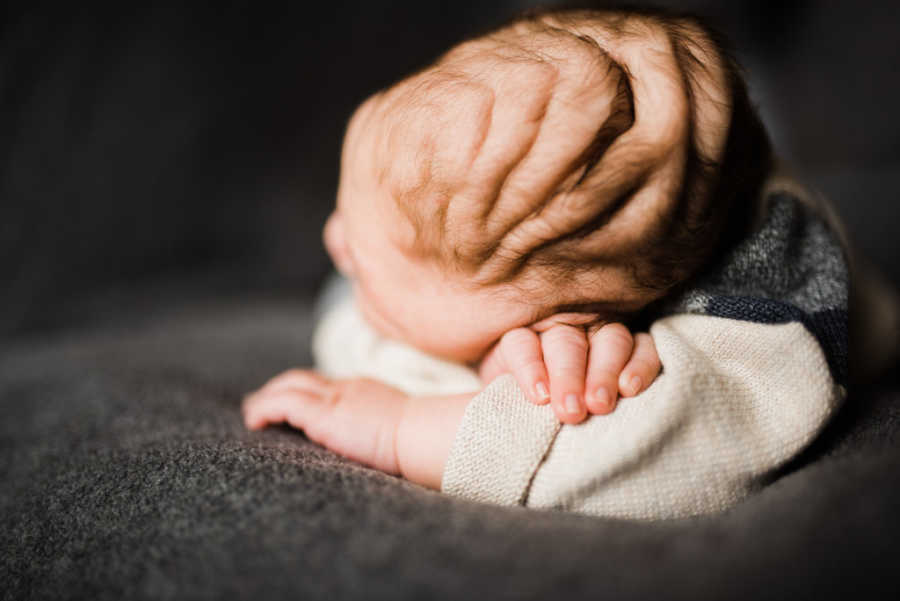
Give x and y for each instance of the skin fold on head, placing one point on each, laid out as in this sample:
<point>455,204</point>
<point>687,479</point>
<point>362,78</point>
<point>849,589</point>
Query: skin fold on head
<point>565,167</point>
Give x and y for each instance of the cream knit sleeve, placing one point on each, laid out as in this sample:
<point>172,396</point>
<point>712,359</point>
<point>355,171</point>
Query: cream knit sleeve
<point>735,401</point>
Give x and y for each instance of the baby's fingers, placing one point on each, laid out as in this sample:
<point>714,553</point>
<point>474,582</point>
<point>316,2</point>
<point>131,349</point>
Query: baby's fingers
<point>642,368</point>
<point>565,353</point>
<point>521,354</point>
<point>298,379</point>
<point>296,407</point>
<point>611,347</point>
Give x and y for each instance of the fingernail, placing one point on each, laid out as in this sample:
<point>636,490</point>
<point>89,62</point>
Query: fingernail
<point>601,395</point>
<point>542,393</point>
<point>635,385</point>
<point>572,404</point>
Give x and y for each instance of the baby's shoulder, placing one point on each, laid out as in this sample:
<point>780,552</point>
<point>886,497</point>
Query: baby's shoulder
<point>790,266</point>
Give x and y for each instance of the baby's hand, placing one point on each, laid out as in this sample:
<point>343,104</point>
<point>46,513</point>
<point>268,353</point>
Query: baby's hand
<point>606,363</point>
<point>364,420</point>
<point>355,418</point>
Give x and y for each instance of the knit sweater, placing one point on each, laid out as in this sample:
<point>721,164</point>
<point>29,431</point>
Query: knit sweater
<point>755,362</point>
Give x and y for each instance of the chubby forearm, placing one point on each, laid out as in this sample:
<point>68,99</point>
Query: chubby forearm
<point>365,420</point>
<point>425,435</point>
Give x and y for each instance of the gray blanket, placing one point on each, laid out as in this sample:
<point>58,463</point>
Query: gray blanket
<point>126,474</point>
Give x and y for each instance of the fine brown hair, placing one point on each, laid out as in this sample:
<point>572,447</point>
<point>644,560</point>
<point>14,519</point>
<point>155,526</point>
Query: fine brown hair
<point>714,193</point>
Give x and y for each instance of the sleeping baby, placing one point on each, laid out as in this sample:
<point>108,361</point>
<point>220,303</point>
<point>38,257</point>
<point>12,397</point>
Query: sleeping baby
<point>504,213</point>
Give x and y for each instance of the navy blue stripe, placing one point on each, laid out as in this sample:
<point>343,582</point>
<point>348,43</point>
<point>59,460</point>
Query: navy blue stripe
<point>830,327</point>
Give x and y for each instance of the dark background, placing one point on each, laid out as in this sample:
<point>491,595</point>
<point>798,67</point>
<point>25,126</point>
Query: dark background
<point>158,154</point>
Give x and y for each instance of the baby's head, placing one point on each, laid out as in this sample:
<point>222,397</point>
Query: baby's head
<point>493,189</point>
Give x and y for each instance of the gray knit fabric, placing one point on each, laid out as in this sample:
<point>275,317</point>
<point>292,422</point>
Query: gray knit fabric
<point>792,268</point>
<point>793,258</point>
<point>126,473</point>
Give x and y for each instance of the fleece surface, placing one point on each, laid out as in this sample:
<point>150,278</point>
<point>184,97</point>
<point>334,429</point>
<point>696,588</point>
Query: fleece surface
<point>126,473</point>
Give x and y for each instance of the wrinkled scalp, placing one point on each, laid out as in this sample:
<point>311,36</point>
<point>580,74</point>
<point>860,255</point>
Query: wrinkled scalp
<point>492,154</point>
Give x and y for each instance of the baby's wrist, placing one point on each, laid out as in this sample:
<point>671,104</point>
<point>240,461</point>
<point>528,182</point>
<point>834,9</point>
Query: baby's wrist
<point>424,436</point>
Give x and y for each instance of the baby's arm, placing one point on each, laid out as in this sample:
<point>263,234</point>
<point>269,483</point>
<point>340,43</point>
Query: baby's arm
<point>586,371</point>
<point>364,420</point>
<point>380,426</point>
